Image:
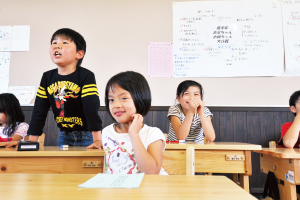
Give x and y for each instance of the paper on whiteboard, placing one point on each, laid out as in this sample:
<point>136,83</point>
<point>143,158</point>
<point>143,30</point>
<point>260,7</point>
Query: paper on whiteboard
<point>23,93</point>
<point>5,38</point>
<point>291,32</point>
<point>20,38</point>
<point>160,59</point>
<point>227,38</point>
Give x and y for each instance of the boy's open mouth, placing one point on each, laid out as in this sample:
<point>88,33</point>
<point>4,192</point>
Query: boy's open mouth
<point>57,53</point>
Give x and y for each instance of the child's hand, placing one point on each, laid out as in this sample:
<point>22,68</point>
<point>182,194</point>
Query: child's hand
<point>12,144</point>
<point>200,108</point>
<point>136,124</point>
<point>193,106</point>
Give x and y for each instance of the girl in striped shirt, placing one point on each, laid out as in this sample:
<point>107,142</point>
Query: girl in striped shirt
<point>190,120</point>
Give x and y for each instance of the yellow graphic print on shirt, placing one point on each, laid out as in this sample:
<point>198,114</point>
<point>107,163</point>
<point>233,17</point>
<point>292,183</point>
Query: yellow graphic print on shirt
<point>61,91</point>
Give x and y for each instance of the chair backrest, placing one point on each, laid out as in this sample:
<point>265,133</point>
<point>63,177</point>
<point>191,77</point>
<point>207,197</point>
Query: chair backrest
<point>41,139</point>
<point>166,136</point>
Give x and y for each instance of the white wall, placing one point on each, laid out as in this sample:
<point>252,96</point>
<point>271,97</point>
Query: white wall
<point>117,33</point>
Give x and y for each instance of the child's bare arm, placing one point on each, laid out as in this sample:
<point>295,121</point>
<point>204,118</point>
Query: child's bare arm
<point>97,137</point>
<point>291,136</point>
<point>15,141</point>
<point>208,128</point>
<point>33,138</point>
<point>182,130</point>
<point>149,161</point>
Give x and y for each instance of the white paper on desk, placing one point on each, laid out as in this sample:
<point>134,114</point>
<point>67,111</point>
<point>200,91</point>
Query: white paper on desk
<point>20,38</point>
<point>114,181</point>
<point>23,93</point>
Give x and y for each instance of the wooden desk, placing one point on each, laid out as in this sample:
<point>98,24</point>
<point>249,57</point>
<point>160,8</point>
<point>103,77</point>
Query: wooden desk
<point>65,186</point>
<point>280,161</point>
<point>51,160</point>
<point>213,157</point>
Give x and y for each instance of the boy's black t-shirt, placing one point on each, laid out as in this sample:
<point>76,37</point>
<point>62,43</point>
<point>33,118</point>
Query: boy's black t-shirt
<point>74,100</point>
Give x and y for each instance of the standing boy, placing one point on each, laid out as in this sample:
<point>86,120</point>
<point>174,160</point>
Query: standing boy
<point>290,131</point>
<point>72,93</point>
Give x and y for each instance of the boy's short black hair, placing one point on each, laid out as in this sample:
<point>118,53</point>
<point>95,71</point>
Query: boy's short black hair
<point>73,36</point>
<point>136,85</point>
<point>294,98</point>
<point>184,85</point>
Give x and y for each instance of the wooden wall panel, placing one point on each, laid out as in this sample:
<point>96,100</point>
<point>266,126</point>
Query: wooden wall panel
<point>267,128</point>
<point>226,127</point>
<point>216,124</point>
<point>279,119</point>
<point>240,127</point>
<point>160,120</point>
<point>253,126</point>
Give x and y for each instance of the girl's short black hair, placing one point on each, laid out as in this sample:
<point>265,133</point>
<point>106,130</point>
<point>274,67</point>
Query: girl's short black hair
<point>73,36</point>
<point>10,106</point>
<point>184,85</point>
<point>136,85</point>
<point>294,98</point>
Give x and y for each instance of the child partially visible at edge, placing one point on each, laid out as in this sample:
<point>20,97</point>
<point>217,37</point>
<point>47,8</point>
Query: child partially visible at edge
<point>130,146</point>
<point>12,125</point>
<point>189,119</point>
<point>290,131</point>
<point>72,93</point>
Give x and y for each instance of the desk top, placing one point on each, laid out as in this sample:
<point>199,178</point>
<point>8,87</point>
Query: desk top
<point>216,146</point>
<point>281,152</point>
<point>51,151</point>
<point>65,186</point>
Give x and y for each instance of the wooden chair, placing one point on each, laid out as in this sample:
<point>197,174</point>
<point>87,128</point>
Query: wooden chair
<point>41,139</point>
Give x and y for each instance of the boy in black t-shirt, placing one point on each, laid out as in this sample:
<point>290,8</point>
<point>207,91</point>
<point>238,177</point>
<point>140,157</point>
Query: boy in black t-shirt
<point>72,93</point>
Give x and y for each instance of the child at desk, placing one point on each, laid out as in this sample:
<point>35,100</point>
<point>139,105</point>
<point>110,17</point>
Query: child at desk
<point>71,91</point>
<point>190,120</point>
<point>12,125</point>
<point>290,131</point>
<point>131,146</point>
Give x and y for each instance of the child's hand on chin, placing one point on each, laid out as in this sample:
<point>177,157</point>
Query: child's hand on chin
<point>193,105</point>
<point>136,124</point>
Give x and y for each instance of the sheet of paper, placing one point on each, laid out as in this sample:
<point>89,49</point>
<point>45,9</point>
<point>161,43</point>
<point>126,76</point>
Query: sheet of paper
<point>291,32</point>
<point>228,38</point>
<point>160,59</point>
<point>23,93</point>
<point>4,71</point>
<point>114,181</point>
<point>20,38</point>
<point>5,38</point>
<point>3,85</point>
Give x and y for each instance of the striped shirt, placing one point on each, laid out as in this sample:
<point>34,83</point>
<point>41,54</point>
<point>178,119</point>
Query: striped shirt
<point>196,130</point>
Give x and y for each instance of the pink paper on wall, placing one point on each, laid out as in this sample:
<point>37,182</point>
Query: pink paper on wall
<point>160,59</point>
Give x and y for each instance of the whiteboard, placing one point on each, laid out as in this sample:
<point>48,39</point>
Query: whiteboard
<point>228,38</point>
<point>291,31</point>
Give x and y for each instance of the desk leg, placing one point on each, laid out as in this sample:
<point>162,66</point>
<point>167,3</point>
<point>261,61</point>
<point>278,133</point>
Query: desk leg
<point>290,191</point>
<point>190,160</point>
<point>245,182</point>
